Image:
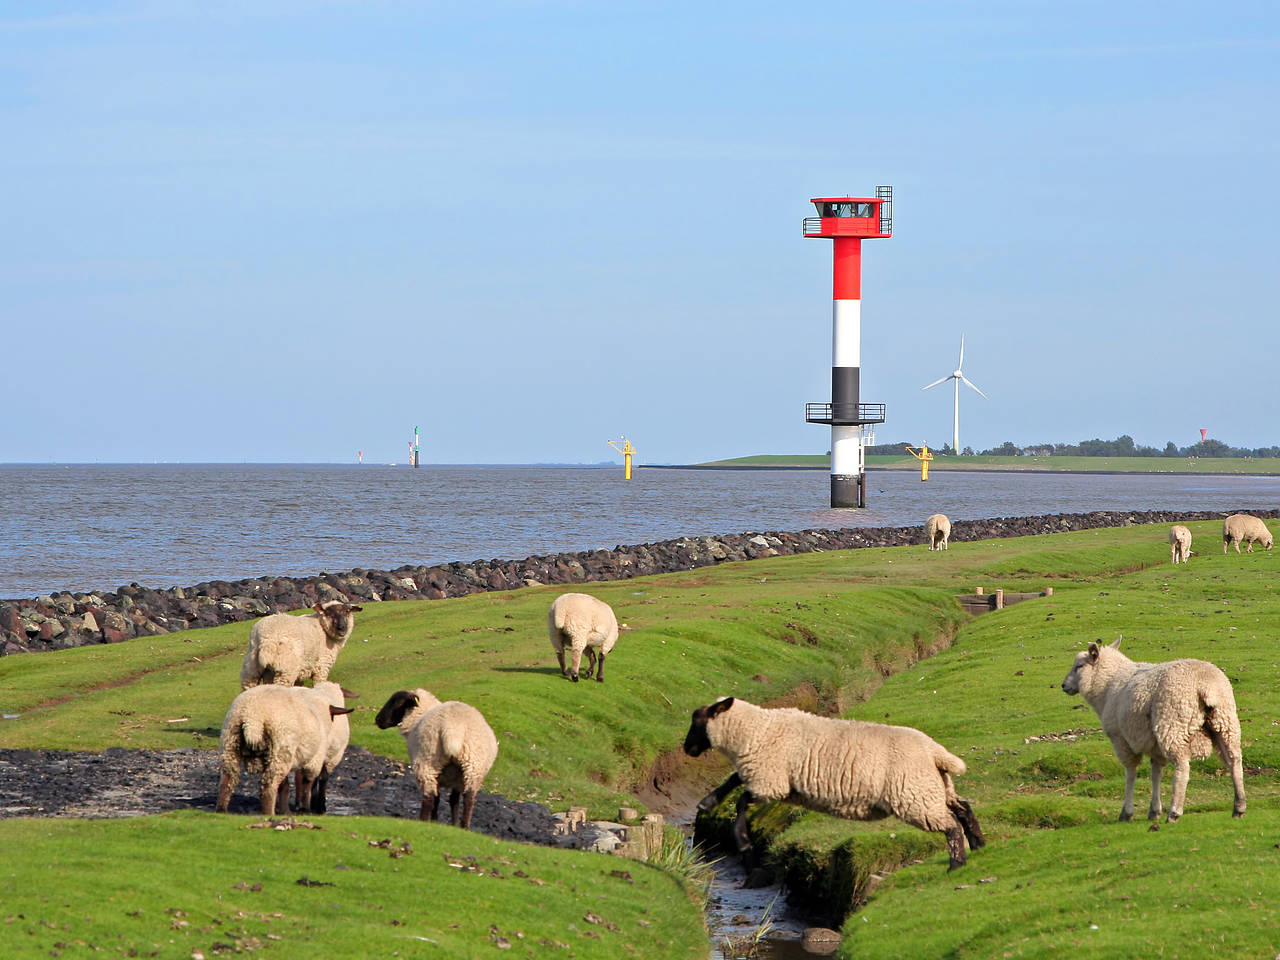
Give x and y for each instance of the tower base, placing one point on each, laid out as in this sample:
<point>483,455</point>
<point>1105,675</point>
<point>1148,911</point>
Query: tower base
<point>848,491</point>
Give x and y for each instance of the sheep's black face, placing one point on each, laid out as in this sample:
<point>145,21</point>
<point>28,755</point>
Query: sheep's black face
<point>393,711</point>
<point>697,741</point>
<point>337,617</point>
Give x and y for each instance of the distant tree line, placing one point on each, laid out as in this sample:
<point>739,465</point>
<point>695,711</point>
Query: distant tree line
<point>1121,446</point>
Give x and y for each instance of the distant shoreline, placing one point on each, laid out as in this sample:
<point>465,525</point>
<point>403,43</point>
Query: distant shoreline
<point>871,468</point>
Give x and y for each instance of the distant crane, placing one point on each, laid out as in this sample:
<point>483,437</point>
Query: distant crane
<point>957,375</point>
<point>627,451</point>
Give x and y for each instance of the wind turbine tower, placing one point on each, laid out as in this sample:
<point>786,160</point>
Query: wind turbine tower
<point>957,375</point>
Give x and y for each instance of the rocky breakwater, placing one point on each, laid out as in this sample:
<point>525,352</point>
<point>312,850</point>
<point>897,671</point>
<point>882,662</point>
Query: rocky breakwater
<point>62,620</point>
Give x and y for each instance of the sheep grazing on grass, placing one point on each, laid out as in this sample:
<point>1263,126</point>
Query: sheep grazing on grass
<point>1179,543</point>
<point>847,768</point>
<point>450,746</point>
<point>287,650</point>
<point>275,731</point>
<point>938,530</point>
<point>1172,712</point>
<point>1244,528</point>
<point>577,623</point>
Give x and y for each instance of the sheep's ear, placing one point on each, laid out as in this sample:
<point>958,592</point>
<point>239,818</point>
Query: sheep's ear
<point>351,609</point>
<point>349,694</point>
<point>1093,653</point>
<point>319,607</point>
<point>1115,644</point>
<point>338,711</point>
<point>719,707</point>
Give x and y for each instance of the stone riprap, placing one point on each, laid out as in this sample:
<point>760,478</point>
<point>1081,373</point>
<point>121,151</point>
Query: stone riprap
<point>62,620</point>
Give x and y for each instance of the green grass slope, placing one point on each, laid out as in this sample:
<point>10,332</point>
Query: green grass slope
<point>845,626</point>
<point>193,884</point>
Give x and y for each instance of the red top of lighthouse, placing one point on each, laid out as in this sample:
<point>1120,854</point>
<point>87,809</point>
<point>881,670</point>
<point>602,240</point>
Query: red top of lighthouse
<point>867,217</point>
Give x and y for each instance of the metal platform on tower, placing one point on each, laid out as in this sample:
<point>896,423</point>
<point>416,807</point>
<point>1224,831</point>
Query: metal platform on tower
<point>834,415</point>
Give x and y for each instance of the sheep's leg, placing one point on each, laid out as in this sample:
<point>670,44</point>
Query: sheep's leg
<point>1248,547</point>
<point>591,663</point>
<point>600,670</point>
<point>301,793</point>
<point>318,790</point>
<point>455,808</point>
<point>275,794</point>
<point>1181,774</point>
<point>226,785</point>
<point>560,651</point>
<point>468,808</point>
<point>577,663</point>
<point>1157,771</point>
<point>740,824</point>
<point>1130,775</point>
<point>716,796</point>
<point>430,804</point>
<point>1235,763</point>
<point>961,810</point>
<point>955,846</point>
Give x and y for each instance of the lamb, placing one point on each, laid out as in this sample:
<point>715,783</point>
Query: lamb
<point>275,731</point>
<point>450,745</point>
<point>938,530</point>
<point>1179,543</point>
<point>1172,712</point>
<point>847,768</point>
<point>581,622</point>
<point>1244,528</point>
<point>287,650</point>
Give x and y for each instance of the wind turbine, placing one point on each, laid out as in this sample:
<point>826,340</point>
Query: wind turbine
<point>957,375</point>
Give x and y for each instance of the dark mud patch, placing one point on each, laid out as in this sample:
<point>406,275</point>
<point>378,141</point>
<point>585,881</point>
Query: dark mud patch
<point>133,783</point>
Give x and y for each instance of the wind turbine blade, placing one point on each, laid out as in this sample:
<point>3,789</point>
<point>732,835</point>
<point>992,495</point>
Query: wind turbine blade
<point>960,363</point>
<point>980,393</point>
<point>936,382</point>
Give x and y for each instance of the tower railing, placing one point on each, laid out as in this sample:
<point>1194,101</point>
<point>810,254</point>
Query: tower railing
<point>844,414</point>
<point>811,225</point>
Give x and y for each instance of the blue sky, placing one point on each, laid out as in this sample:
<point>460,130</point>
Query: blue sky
<point>286,231</point>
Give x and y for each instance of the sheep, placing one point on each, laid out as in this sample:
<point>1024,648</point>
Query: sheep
<point>275,731</point>
<point>1172,712</point>
<point>938,530</point>
<point>581,622</point>
<point>450,745</point>
<point>287,650</point>
<point>1246,528</point>
<point>1179,543</point>
<point>847,768</point>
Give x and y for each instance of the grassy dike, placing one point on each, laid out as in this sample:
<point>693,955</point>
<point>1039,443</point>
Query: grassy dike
<point>841,627</point>
<point>1244,466</point>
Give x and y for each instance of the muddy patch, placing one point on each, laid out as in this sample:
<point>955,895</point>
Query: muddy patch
<point>133,783</point>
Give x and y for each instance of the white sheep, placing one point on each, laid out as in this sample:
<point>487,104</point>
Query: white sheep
<point>580,622</point>
<point>275,731</point>
<point>1244,528</point>
<point>1179,543</point>
<point>287,650</point>
<point>847,768</point>
<point>938,531</point>
<point>1172,712</point>
<point>450,745</point>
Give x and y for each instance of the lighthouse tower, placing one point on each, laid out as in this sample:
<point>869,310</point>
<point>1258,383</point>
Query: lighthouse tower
<point>847,221</point>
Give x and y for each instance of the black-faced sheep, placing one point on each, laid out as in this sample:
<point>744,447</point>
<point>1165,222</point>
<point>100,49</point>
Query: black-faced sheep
<point>275,731</point>
<point>1172,712</point>
<point>1179,543</point>
<point>1244,528</point>
<point>938,531</point>
<point>579,622</point>
<point>287,650</point>
<point>450,745</point>
<point>847,768</point>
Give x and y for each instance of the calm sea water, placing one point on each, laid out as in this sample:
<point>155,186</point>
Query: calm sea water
<point>95,527</point>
